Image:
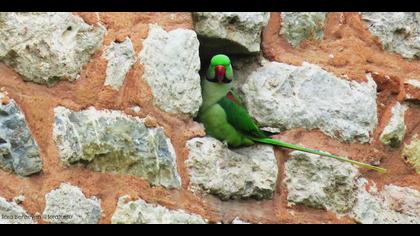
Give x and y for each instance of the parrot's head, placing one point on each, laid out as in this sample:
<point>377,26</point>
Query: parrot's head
<point>220,69</point>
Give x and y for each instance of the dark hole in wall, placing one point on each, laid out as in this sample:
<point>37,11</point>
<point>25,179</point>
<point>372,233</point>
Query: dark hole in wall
<point>213,46</point>
<point>413,103</point>
<point>210,47</point>
<point>2,141</point>
<point>3,113</point>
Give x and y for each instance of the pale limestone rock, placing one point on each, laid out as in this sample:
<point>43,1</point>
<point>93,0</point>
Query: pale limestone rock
<point>121,57</point>
<point>19,152</point>
<point>12,213</point>
<point>171,63</point>
<point>230,32</point>
<point>140,212</point>
<point>249,172</point>
<point>111,141</point>
<point>397,31</point>
<point>283,96</point>
<point>45,47</point>
<point>393,134</point>
<point>320,182</point>
<point>411,153</point>
<point>300,26</point>
<point>373,207</point>
<point>68,205</point>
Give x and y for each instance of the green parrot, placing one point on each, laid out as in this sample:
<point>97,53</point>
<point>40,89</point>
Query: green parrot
<point>225,117</point>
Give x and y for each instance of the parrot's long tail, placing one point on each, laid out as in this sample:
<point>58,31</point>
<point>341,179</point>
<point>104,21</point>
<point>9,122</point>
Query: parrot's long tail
<point>295,147</point>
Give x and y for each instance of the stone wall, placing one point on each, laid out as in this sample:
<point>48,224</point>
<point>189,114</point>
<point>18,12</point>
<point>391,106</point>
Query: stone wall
<point>97,118</point>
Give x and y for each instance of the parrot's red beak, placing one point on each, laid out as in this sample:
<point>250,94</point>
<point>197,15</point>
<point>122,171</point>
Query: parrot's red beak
<point>220,73</point>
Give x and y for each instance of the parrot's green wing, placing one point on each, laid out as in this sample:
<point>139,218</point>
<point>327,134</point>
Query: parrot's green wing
<point>238,116</point>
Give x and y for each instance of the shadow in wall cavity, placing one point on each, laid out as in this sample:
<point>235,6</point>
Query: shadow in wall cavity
<point>241,63</point>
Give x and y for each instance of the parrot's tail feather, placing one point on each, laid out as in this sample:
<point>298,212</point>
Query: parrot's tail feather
<point>295,147</point>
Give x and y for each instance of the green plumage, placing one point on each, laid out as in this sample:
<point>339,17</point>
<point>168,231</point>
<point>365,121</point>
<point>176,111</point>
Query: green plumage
<point>222,60</point>
<point>226,119</point>
<point>239,117</point>
<point>215,118</point>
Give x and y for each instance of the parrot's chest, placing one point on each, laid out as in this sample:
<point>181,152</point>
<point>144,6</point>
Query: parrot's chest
<point>212,93</point>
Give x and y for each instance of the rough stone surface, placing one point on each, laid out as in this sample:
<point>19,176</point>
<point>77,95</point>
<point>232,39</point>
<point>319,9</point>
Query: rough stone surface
<point>398,31</point>
<point>326,183</point>
<point>249,172</point>
<point>299,26</point>
<point>140,212</point>
<point>19,199</point>
<point>402,199</point>
<point>49,46</point>
<point>413,82</point>
<point>68,205</point>
<point>238,31</point>
<point>121,57</point>
<point>347,48</point>
<point>238,221</point>
<point>19,152</point>
<point>243,66</point>
<point>412,89</point>
<point>12,213</point>
<point>110,141</point>
<point>171,64</point>
<point>394,132</point>
<point>320,182</point>
<point>135,109</point>
<point>411,153</point>
<point>283,96</point>
<point>392,206</point>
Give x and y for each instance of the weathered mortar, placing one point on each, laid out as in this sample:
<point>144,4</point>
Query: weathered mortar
<point>347,50</point>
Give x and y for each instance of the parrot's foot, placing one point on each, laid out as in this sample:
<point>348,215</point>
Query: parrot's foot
<point>239,143</point>
<point>247,142</point>
<point>225,143</point>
